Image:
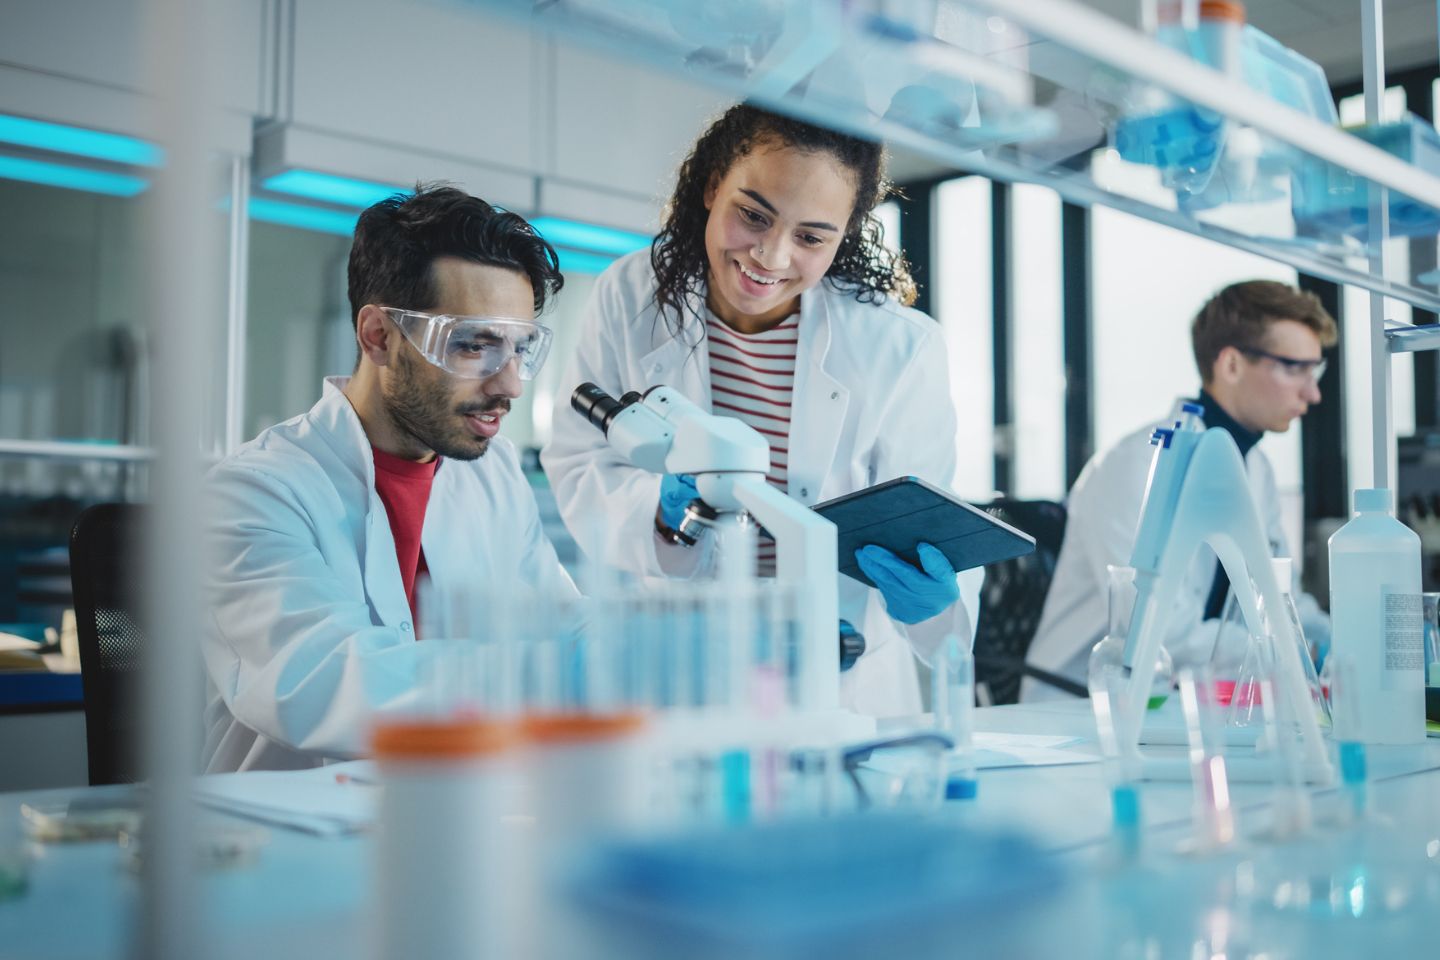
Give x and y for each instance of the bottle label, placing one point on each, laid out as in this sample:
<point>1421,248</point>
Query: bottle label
<point>1403,649</point>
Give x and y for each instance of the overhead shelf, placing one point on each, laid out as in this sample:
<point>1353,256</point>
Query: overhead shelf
<point>1037,91</point>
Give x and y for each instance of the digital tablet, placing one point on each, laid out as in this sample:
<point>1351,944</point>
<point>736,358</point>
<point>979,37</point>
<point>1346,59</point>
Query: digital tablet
<point>902,513</point>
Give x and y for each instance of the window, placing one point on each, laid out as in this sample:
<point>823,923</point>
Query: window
<point>964,308</point>
<point>1148,283</point>
<point>1037,367</point>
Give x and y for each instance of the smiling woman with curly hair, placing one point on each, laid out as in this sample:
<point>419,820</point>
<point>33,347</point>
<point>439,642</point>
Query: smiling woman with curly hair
<point>768,296</point>
<point>861,264</point>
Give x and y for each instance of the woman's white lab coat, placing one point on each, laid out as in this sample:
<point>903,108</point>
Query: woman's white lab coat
<point>1104,511</point>
<point>871,402</point>
<point>310,633</point>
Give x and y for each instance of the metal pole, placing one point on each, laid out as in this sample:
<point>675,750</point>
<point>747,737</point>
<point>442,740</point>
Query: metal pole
<point>236,318</point>
<point>181,266</point>
<point>1372,34</point>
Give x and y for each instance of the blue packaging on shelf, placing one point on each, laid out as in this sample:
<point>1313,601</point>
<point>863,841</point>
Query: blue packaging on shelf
<point>1329,200</point>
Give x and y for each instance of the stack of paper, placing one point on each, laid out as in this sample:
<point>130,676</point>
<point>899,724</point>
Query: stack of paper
<point>328,801</point>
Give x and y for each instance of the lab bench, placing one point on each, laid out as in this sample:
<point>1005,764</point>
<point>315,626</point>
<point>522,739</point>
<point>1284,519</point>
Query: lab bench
<point>305,896</point>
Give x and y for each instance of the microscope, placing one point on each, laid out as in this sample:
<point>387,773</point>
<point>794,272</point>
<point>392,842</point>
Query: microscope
<point>662,431</point>
<point>1198,492</point>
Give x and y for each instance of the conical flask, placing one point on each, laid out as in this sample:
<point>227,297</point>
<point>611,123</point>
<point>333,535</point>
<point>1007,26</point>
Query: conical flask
<point>1109,653</point>
<point>1245,705</point>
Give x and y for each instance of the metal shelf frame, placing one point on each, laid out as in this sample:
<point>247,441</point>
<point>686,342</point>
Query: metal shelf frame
<point>786,71</point>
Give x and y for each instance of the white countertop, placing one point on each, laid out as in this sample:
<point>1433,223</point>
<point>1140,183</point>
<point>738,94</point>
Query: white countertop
<point>306,896</point>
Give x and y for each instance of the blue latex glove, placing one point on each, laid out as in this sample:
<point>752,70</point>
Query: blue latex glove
<point>911,595</point>
<point>676,490</point>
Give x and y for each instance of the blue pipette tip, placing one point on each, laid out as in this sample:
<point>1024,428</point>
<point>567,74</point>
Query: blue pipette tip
<point>1352,762</point>
<point>1125,806</point>
<point>961,788</point>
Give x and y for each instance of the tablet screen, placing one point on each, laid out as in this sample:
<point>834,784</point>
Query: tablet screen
<point>900,514</point>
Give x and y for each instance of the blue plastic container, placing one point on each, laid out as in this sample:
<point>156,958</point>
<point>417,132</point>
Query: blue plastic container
<point>1328,200</point>
<point>1187,142</point>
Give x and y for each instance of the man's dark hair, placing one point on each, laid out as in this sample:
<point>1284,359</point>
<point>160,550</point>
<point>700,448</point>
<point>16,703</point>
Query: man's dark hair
<point>398,240</point>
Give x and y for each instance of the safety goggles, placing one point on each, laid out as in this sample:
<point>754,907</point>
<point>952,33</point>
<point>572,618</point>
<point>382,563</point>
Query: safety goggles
<point>1290,366</point>
<point>475,347</point>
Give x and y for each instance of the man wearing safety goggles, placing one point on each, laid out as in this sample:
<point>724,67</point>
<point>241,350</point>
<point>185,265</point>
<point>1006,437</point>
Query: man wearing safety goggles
<point>1258,347</point>
<point>324,526</point>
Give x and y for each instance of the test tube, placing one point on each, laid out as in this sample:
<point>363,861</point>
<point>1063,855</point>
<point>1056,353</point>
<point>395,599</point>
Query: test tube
<point>1205,731</point>
<point>1354,775</point>
<point>1107,698</point>
<point>954,696</point>
<point>768,695</point>
<point>1290,806</point>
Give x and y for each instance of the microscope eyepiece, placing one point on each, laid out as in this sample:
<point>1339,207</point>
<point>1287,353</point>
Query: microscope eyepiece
<point>597,406</point>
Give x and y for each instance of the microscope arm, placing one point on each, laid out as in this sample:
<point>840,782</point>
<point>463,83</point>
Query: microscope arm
<point>666,432</point>
<point>806,558</point>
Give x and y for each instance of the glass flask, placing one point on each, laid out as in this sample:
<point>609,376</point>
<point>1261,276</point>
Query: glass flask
<point>1245,704</point>
<point>1109,653</point>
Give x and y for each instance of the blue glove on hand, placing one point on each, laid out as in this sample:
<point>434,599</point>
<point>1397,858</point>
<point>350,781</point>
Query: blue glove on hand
<point>676,490</point>
<point>911,595</point>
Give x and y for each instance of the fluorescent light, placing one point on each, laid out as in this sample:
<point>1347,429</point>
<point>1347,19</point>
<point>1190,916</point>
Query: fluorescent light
<point>576,261</point>
<point>588,236</point>
<point>71,178</point>
<point>329,189</point>
<point>306,218</point>
<point>61,138</point>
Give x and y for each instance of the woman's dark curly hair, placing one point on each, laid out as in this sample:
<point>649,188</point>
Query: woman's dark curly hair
<point>862,264</point>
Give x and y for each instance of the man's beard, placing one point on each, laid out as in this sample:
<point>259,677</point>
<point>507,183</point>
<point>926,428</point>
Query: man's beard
<point>419,409</point>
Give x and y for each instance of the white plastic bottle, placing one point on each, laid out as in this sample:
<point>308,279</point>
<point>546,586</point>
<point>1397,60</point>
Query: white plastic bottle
<point>443,854</point>
<point>586,780</point>
<point>1375,616</point>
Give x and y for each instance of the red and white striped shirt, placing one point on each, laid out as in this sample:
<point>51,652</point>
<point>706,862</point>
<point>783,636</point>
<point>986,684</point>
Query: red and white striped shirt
<point>752,378</point>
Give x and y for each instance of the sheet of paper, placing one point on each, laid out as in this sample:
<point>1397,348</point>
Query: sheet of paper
<point>1002,740</point>
<point>326,801</point>
<point>994,751</point>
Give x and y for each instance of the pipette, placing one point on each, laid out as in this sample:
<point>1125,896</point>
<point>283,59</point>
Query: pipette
<point>954,704</point>
<point>1107,687</point>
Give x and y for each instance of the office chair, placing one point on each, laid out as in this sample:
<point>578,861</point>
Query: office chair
<point>1012,599</point>
<point>104,563</point>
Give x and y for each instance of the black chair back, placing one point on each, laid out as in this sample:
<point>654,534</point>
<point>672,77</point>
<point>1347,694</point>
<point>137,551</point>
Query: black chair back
<point>104,575</point>
<point>1014,596</point>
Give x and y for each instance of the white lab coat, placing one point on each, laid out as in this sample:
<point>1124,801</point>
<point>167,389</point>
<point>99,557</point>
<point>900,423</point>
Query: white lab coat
<point>871,402</point>
<point>1104,512</point>
<point>310,633</point>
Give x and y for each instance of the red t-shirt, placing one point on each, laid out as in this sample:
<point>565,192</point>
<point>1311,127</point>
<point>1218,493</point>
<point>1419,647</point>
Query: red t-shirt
<point>404,489</point>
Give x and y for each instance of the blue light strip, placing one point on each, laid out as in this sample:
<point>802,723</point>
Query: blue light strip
<point>71,178</point>
<point>305,218</point>
<point>329,189</point>
<point>587,236</point>
<point>61,138</point>
<point>576,261</point>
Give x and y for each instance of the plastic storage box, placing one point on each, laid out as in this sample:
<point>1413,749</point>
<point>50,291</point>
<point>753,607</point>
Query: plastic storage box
<point>1328,200</point>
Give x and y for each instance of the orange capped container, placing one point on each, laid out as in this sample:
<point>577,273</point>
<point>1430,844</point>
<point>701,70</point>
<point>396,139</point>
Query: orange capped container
<point>439,881</point>
<point>555,728</point>
<point>586,772</point>
<point>1209,10</point>
<point>454,738</point>
<point>586,777</point>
